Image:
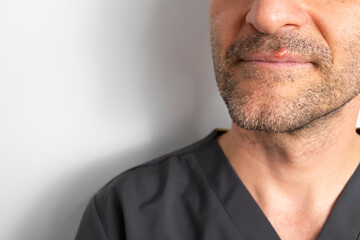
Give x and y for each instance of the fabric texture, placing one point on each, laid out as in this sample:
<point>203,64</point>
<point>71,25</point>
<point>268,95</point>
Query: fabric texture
<point>195,194</point>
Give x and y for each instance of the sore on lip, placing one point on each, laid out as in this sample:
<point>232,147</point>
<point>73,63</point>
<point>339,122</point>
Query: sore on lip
<point>281,52</point>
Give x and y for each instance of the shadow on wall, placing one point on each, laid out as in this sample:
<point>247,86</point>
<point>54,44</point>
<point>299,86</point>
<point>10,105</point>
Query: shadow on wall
<point>67,198</point>
<point>177,57</point>
<point>180,47</point>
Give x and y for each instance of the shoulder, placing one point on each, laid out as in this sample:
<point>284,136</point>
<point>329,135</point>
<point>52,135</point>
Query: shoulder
<point>158,176</point>
<point>168,186</point>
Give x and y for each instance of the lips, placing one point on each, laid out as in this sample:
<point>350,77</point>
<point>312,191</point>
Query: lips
<point>274,58</point>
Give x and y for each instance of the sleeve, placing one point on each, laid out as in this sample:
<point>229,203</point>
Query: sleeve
<point>91,227</point>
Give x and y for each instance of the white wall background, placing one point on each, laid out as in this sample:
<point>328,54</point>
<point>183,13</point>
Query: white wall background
<point>89,88</point>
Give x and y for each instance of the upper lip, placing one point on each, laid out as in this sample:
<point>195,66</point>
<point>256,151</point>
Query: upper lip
<point>287,57</point>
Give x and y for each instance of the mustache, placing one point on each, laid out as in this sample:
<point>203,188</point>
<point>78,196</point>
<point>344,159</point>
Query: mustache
<point>307,48</point>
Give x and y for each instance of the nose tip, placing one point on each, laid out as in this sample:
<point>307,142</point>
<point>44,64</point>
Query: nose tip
<point>268,16</point>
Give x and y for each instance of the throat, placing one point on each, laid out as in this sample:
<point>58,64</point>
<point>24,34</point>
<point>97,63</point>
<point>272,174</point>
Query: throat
<point>296,217</point>
<point>290,227</point>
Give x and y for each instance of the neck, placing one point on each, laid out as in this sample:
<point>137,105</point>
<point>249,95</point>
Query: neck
<point>309,166</point>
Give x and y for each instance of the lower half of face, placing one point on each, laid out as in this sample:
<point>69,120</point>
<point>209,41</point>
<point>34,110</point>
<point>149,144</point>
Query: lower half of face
<point>285,98</point>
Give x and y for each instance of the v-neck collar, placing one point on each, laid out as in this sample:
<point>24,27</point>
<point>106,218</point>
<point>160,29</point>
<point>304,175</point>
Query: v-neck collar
<point>343,222</point>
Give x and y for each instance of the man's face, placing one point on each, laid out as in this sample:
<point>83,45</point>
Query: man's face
<point>281,64</point>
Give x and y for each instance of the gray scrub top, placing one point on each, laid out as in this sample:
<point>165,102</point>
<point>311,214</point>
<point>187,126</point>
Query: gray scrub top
<point>195,194</point>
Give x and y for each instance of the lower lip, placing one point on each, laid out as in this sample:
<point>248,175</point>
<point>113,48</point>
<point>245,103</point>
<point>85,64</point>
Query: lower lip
<point>277,64</point>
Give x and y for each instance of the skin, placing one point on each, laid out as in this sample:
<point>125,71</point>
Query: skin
<point>292,141</point>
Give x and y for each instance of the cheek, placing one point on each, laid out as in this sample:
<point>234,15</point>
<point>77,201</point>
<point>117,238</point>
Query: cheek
<point>227,19</point>
<point>342,29</point>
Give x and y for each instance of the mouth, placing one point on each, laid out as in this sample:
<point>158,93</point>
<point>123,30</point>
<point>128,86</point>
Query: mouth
<point>279,59</point>
<point>276,64</point>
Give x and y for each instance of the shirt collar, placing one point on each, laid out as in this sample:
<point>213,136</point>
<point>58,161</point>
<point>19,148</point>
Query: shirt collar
<point>342,223</point>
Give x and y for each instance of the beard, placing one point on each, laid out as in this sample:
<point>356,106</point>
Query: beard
<point>284,100</point>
